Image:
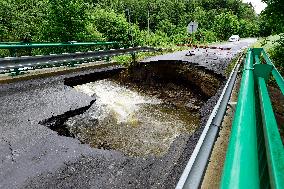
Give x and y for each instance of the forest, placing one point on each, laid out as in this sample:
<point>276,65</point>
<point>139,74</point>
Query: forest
<point>158,23</point>
<point>133,22</point>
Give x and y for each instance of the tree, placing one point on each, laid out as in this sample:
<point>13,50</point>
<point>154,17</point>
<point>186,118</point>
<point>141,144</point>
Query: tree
<point>114,27</point>
<point>277,54</point>
<point>275,11</point>
<point>225,25</point>
<point>248,28</point>
<point>65,20</point>
<point>20,20</point>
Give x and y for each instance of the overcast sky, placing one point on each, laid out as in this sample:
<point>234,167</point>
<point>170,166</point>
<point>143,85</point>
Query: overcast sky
<point>258,5</point>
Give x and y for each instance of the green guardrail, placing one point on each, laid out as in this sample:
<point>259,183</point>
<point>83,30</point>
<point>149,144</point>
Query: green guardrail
<point>14,46</point>
<point>255,155</point>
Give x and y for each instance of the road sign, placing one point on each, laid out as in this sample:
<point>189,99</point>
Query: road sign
<point>192,27</point>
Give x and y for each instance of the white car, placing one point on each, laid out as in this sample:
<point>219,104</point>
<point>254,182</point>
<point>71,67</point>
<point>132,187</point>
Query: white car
<point>234,38</point>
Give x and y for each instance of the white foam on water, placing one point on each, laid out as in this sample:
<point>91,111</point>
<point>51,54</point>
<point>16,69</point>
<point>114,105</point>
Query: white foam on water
<point>115,98</point>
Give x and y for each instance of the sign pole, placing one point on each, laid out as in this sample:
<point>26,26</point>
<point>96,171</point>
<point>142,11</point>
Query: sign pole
<point>193,42</point>
<point>191,28</point>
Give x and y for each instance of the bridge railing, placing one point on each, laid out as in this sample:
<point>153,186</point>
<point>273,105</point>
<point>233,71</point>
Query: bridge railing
<point>18,65</point>
<point>14,48</point>
<point>255,155</point>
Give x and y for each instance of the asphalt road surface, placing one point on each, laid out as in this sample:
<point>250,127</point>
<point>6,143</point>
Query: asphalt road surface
<point>33,156</point>
<point>212,59</point>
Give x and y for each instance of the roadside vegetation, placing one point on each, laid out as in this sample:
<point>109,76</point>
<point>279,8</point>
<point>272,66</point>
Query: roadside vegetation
<point>272,31</point>
<point>159,23</point>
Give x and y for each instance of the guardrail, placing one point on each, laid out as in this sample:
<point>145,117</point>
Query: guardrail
<point>20,45</point>
<point>24,63</point>
<point>193,173</point>
<point>255,155</point>
<point>14,46</point>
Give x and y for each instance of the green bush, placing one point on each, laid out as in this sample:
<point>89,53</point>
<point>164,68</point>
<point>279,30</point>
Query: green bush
<point>206,36</point>
<point>65,20</point>
<point>112,26</point>
<point>248,28</point>
<point>277,54</point>
<point>157,39</point>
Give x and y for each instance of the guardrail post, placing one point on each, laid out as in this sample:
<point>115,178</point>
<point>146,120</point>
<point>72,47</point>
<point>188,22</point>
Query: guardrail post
<point>133,55</point>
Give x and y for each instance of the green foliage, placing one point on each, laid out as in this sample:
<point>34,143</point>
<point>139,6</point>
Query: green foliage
<point>225,25</point>
<point>167,27</point>
<point>246,12</point>
<point>206,36</point>
<point>274,15</point>
<point>124,60</point>
<point>157,39</point>
<point>248,28</point>
<point>274,45</point>
<point>265,26</point>
<point>114,27</point>
<point>5,22</point>
<point>180,35</point>
<point>20,20</point>
<point>277,54</point>
<point>200,15</point>
<point>64,21</point>
<point>126,21</point>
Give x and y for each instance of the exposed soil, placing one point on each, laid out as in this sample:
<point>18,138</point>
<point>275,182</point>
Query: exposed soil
<point>201,81</point>
<point>277,100</point>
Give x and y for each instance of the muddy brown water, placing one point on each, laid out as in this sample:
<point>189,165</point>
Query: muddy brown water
<point>133,122</point>
<point>142,110</point>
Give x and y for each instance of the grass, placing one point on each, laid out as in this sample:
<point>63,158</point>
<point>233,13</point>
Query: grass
<point>266,42</point>
<point>126,60</point>
<point>230,67</point>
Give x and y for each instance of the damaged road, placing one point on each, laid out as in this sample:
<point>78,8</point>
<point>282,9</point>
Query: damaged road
<point>216,59</point>
<point>34,156</point>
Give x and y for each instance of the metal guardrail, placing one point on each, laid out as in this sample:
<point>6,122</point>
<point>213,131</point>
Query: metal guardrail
<point>14,47</point>
<point>39,61</point>
<point>193,173</point>
<point>21,45</point>
<point>255,155</point>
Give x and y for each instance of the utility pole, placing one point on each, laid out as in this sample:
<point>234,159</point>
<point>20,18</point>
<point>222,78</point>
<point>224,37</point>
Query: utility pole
<point>130,29</point>
<point>148,21</point>
<point>148,26</point>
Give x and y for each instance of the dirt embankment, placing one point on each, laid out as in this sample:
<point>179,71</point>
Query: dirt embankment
<point>203,82</point>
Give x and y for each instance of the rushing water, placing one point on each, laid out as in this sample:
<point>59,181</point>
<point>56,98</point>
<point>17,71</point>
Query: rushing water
<point>127,120</point>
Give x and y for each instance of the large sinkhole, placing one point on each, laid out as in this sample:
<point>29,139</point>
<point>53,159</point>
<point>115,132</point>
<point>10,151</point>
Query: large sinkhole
<point>141,110</point>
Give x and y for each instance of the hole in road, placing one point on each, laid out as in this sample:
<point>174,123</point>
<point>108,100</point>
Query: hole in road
<point>141,110</point>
